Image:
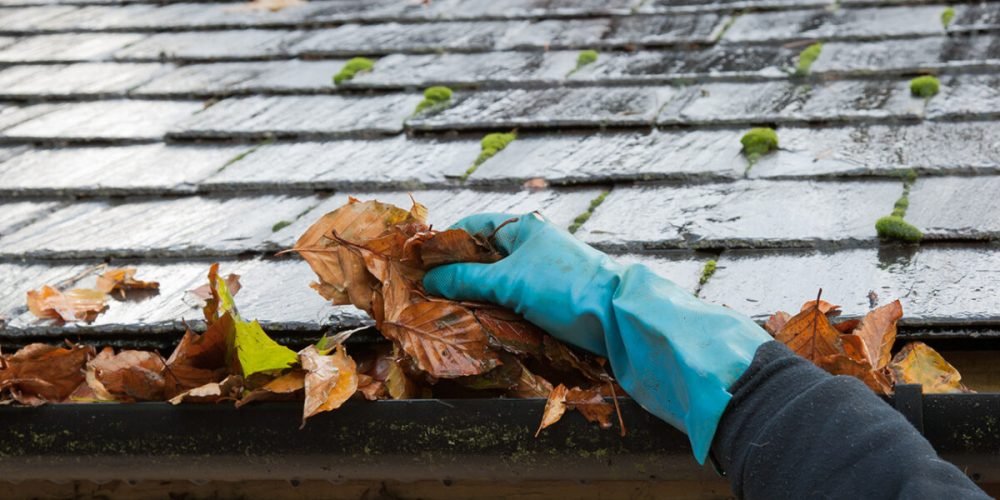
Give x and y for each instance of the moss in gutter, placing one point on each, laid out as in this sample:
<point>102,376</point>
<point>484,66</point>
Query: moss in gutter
<point>584,217</point>
<point>490,145</point>
<point>352,68</point>
<point>925,86</point>
<point>946,17</point>
<point>434,97</point>
<point>807,57</point>
<point>759,142</point>
<point>707,271</point>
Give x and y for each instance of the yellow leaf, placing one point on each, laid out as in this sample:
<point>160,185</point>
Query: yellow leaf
<point>919,364</point>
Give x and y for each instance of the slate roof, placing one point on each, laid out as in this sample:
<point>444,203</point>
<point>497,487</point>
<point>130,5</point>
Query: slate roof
<point>167,135</point>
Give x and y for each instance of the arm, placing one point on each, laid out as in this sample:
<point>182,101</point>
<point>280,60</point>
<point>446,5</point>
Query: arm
<point>779,425</point>
<point>794,431</point>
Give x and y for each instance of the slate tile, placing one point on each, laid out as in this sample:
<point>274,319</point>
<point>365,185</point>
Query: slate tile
<point>666,29</point>
<point>786,102</point>
<point>398,163</point>
<point>11,116</point>
<point>103,17</point>
<point>103,120</point>
<point>909,56</point>
<point>8,152</point>
<point>531,8</point>
<point>300,116</point>
<point>724,61</point>
<point>683,268</point>
<point>244,77</point>
<point>956,207</point>
<point>353,39</point>
<point>668,6</point>
<point>17,214</point>
<point>17,278</point>
<point>446,207</point>
<point>83,79</point>
<point>567,159</point>
<point>493,69</point>
<point>557,107</point>
<point>953,285</point>
<point>28,19</point>
<point>963,96</point>
<point>741,214</point>
<point>103,170</point>
<point>553,34</point>
<point>929,147</point>
<point>976,16</point>
<point>836,24</point>
<point>213,45</point>
<point>188,227</point>
<point>70,47</point>
<point>177,15</point>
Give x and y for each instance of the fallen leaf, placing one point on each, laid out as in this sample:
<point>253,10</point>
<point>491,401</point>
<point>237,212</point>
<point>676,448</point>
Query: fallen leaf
<point>591,404</point>
<point>444,339</point>
<point>283,387</point>
<point>555,407</point>
<point>847,326</point>
<point>212,392</point>
<point>78,304</point>
<point>776,322</point>
<point>878,329</point>
<point>208,293</point>
<point>455,245</point>
<point>41,373</point>
<point>131,375</point>
<point>917,363</point>
<point>510,332</point>
<point>330,380</point>
<point>530,385</point>
<point>122,280</point>
<point>823,306</point>
<point>201,359</point>
<point>505,377</point>
<point>809,333</point>
<point>565,359</point>
<point>839,364</point>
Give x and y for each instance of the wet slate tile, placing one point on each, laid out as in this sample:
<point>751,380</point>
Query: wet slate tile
<point>244,77</point>
<point>398,163</point>
<point>683,268</point>
<point>785,102</point>
<point>557,107</point>
<point>17,278</point>
<point>936,285</point>
<point>493,69</point>
<point>213,45</point>
<point>8,152</point>
<point>300,116</point>
<point>174,16</point>
<point>963,96</point>
<point>11,116</point>
<point>830,25</point>
<point>956,207</point>
<point>17,214</point>
<point>567,159</point>
<point>884,150</point>
<point>724,61</point>
<point>519,9</point>
<point>29,19</point>
<point>666,29</point>
<point>741,214</point>
<point>103,170</point>
<point>446,207</point>
<point>188,227</point>
<point>103,120</point>
<point>83,79</point>
<point>71,47</point>
<point>909,56</point>
<point>669,6</point>
<point>352,39</point>
<point>554,34</point>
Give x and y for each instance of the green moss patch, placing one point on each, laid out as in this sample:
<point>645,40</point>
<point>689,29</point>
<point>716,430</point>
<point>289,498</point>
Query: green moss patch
<point>434,97</point>
<point>278,226</point>
<point>946,17</point>
<point>584,217</point>
<point>807,57</point>
<point>585,57</point>
<point>353,67</point>
<point>893,227</point>
<point>490,145</point>
<point>759,142</point>
<point>925,86</point>
<point>707,271</point>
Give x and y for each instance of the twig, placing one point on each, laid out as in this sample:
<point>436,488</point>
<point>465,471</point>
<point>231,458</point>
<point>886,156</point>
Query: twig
<point>614,397</point>
<point>492,237</point>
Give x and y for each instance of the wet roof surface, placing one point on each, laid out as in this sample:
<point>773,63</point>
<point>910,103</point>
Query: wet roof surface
<point>170,135</point>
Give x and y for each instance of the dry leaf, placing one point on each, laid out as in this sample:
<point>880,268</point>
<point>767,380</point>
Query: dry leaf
<point>824,307</point>
<point>455,245</point>
<point>212,392</point>
<point>839,364</point>
<point>555,407</point>
<point>79,304</point>
<point>40,373</point>
<point>201,359</point>
<point>530,385</point>
<point>284,387</point>
<point>330,380</point>
<point>809,333</point>
<point>510,332</point>
<point>131,375</point>
<point>122,280</point>
<point>776,322</point>
<point>878,329</point>
<point>444,339</point>
<point>917,363</point>
<point>591,404</point>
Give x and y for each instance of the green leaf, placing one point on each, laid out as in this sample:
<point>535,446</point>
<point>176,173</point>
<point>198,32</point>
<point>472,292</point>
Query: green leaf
<point>258,353</point>
<point>226,303</point>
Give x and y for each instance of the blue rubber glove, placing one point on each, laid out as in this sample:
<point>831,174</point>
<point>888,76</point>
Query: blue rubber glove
<point>673,353</point>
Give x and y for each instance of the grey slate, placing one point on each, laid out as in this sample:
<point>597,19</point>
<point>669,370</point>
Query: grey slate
<point>305,116</point>
<point>966,95</point>
<point>567,159</point>
<point>102,120</point>
<point>719,62</point>
<point>557,107</point>
<point>666,29</point>
<point>683,268</point>
<point>956,207</point>
<point>741,214</point>
<point>30,18</point>
<point>244,78</point>
<point>400,163</point>
<point>103,170</point>
<point>213,45</point>
<point>981,52</point>
<point>838,24</point>
<point>17,214</point>
<point>499,69</point>
<point>83,79</point>
<point>948,285</point>
<point>71,47</point>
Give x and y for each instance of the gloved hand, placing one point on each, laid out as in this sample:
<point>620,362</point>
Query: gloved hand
<point>673,353</point>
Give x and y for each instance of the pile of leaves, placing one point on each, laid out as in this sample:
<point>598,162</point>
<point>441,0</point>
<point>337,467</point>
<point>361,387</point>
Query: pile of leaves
<point>862,348</point>
<point>85,304</point>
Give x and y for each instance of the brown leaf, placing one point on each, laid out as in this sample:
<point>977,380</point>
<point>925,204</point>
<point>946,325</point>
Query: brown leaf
<point>511,332</point>
<point>201,359</point>
<point>506,376</point>
<point>854,348</point>
<point>555,407</point>
<point>210,295</point>
<point>122,280</point>
<point>878,329</point>
<point>444,339</point>
<point>917,363</point>
<point>397,382</point>
<point>39,373</point>
<point>132,375</point>
<point>212,392</point>
<point>370,388</point>
<point>809,333</point>
<point>847,326</point>
<point>591,404</point>
<point>284,387</point>
<point>565,359</point>
<point>824,307</point>
<point>79,304</point>
<point>456,245</point>
<point>776,322</point>
<point>329,381</point>
<point>530,385</point>
<point>839,364</point>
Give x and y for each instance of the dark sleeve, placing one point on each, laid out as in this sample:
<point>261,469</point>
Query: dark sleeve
<point>794,431</point>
